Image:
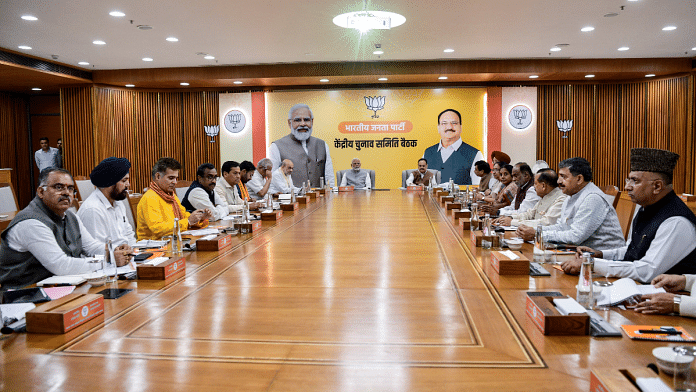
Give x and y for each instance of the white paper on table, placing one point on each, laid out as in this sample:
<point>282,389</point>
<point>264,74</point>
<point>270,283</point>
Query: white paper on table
<point>568,305</point>
<point>623,289</point>
<point>208,237</point>
<point>156,261</point>
<point>652,384</point>
<point>66,280</point>
<point>201,232</point>
<point>15,311</point>
<point>150,244</point>
<point>509,228</point>
<point>284,196</point>
<point>510,254</point>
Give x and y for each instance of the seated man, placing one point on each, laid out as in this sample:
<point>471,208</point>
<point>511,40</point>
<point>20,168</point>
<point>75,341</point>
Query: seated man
<point>663,303</point>
<point>102,216</point>
<point>483,170</point>
<point>421,176</point>
<point>547,210</point>
<point>525,196</point>
<point>201,194</point>
<point>282,179</point>
<point>227,188</point>
<point>261,180</point>
<point>46,239</point>
<point>358,178</point>
<point>159,206</point>
<point>664,230</point>
<point>586,217</point>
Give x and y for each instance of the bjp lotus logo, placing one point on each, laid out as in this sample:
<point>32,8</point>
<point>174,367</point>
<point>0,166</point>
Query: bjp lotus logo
<point>564,126</point>
<point>212,131</point>
<point>375,103</point>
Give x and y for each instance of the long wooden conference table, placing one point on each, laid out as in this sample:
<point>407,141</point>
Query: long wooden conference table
<point>359,291</point>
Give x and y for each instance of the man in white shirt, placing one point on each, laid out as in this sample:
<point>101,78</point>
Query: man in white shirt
<point>282,179</point>
<point>356,177</point>
<point>260,181</point>
<point>547,210</point>
<point>103,217</point>
<point>201,193</point>
<point>526,196</point>
<point>663,239</point>
<point>227,188</point>
<point>46,239</point>
<point>46,156</point>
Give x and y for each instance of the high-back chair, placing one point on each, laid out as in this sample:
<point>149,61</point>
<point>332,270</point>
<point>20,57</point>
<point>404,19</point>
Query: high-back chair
<point>406,173</point>
<point>84,187</point>
<point>612,194</point>
<point>181,187</point>
<point>340,173</point>
<point>8,199</point>
<point>625,209</point>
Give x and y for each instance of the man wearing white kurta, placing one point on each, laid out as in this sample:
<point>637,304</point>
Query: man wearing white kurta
<point>547,210</point>
<point>282,179</point>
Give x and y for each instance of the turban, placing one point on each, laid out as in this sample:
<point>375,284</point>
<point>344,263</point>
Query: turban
<point>501,156</point>
<point>109,171</point>
<point>653,160</point>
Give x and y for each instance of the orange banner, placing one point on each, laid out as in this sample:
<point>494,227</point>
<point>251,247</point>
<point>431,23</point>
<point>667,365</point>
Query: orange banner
<point>399,126</point>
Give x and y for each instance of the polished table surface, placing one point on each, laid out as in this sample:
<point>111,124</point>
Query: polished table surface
<point>358,291</point>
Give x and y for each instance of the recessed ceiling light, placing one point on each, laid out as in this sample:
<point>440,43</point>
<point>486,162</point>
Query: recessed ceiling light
<point>533,76</point>
<point>172,39</point>
<point>448,50</point>
<point>36,89</point>
<point>589,76</point>
<point>237,82</point>
<point>623,48</point>
<point>442,77</point>
<point>669,28</point>
<point>83,63</point>
<point>117,14</point>
<point>555,49</point>
<point>378,52</point>
<point>694,48</point>
<point>323,80</point>
<point>365,20</point>
<point>383,79</point>
<point>649,75</point>
<point>586,29</point>
<point>29,17</point>
<point>184,84</point>
<point>97,42</point>
<point>209,57</point>
<point>611,15</point>
<point>25,47</point>
<point>147,59</point>
<point>130,85</point>
<point>144,27</point>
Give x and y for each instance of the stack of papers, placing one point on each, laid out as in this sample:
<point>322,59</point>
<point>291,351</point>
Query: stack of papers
<point>510,254</point>
<point>624,289</point>
<point>156,261</point>
<point>568,305</point>
<point>202,232</point>
<point>150,244</point>
<point>14,311</point>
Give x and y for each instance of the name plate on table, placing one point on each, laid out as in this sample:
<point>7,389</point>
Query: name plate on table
<point>441,193</point>
<point>619,380</point>
<point>687,197</point>
<point>272,215</point>
<point>290,206</point>
<point>312,195</point>
<point>217,243</point>
<point>302,199</point>
<point>64,314</point>
<point>321,191</point>
<point>459,214</point>
<point>551,322</point>
<point>465,224</point>
<point>346,188</point>
<point>446,199</point>
<point>250,226</point>
<point>163,270</point>
<point>436,190</point>
<point>503,265</point>
<point>417,188</point>
<point>453,205</point>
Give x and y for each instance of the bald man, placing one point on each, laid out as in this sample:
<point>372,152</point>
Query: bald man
<point>282,178</point>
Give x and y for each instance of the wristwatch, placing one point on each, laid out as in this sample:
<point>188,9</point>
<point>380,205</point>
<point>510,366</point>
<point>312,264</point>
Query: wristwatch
<point>676,303</point>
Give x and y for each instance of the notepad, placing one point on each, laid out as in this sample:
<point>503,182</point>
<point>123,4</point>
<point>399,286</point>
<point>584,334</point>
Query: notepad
<point>632,332</point>
<point>567,306</point>
<point>624,289</point>
<point>510,254</point>
<point>156,261</point>
<point>201,232</point>
<point>63,280</point>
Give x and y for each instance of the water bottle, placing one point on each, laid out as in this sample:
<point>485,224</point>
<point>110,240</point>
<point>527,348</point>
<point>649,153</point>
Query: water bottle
<point>292,195</point>
<point>584,294</point>
<point>177,246</point>
<point>269,201</point>
<point>321,182</point>
<point>487,241</point>
<point>539,238</point>
<point>109,258</point>
<point>451,185</point>
<point>245,211</point>
<point>474,221</point>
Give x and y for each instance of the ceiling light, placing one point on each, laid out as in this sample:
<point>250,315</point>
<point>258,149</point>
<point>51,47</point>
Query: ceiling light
<point>36,89</point>
<point>184,84</point>
<point>589,76</point>
<point>533,76</point>
<point>448,50</point>
<point>555,49</point>
<point>144,27</point>
<point>83,63</point>
<point>623,48</point>
<point>323,80</point>
<point>383,79</point>
<point>649,75</point>
<point>130,85</point>
<point>694,48</point>
<point>209,57</point>
<point>365,21</point>
<point>611,15</point>
<point>29,17</point>
<point>237,82</point>
<point>669,28</point>
<point>172,39</point>
<point>586,29</point>
<point>147,59</point>
<point>117,14</point>
<point>25,47</point>
<point>443,78</point>
<point>97,42</point>
<point>378,52</point>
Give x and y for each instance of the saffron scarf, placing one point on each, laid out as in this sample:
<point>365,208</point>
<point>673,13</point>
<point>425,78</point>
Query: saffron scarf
<point>243,190</point>
<point>169,198</point>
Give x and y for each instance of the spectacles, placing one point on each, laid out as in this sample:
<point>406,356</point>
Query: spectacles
<point>452,123</point>
<point>633,181</point>
<point>61,187</point>
<point>299,120</point>
<point>210,178</point>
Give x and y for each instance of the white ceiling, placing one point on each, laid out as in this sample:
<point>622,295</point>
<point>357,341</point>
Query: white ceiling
<point>283,31</point>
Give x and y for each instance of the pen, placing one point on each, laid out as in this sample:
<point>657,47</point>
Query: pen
<point>660,331</point>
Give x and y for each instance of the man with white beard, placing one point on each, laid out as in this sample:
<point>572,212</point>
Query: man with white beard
<point>310,154</point>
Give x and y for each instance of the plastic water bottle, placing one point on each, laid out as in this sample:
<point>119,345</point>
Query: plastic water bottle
<point>474,221</point>
<point>487,243</point>
<point>585,296</point>
<point>539,238</point>
<point>245,211</point>
<point>292,195</point>
<point>177,245</point>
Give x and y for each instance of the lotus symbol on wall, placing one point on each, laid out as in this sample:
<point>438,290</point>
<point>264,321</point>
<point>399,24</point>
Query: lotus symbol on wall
<point>375,103</point>
<point>564,126</point>
<point>212,131</point>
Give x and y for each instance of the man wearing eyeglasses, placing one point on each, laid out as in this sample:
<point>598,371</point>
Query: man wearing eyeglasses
<point>452,157</point>
<point>201,194</point>
<point>46,239</point>
<point>309,154</point>
<point>663,239</point>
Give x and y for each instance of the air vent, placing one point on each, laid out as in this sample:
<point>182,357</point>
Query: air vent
<point>41,65</point>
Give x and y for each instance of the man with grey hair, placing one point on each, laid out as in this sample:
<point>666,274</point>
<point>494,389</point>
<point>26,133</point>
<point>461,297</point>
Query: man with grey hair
<point>261,180</point>
<point>356,177</point>
<point>282,178</point>
<point>309,154</point>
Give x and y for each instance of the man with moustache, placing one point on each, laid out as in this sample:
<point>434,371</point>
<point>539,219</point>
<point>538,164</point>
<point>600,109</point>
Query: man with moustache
<point>46,239</point>
<point>421,176</point>
<point>101,215</point>
<point>526,197</point>
<point>452,157</point>
<point>356,177</point>
<point>201,194</point>
<point>310,154</point>
<point>228,187</point>
<point>282,178</point>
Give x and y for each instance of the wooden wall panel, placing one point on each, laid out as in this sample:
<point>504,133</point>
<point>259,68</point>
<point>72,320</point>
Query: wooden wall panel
<point>149,141</point>
<point>609,120</point>
<point>78,130</point>
<point>16,153</point>
<point>211,117</point>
